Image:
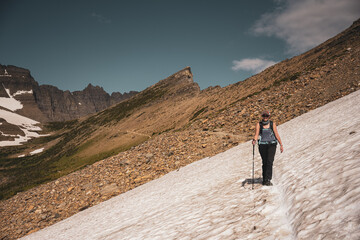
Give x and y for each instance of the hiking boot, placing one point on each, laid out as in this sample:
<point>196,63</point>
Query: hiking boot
<point>268,183</point>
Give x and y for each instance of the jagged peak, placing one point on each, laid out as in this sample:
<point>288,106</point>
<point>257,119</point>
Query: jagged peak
<point>92,88</point>
<point>186,69</point>
<point>184,72</point>
<point>355,23</point>
<point>183,76</point>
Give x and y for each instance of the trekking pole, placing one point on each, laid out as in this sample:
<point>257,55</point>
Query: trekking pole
<point>253,167</point>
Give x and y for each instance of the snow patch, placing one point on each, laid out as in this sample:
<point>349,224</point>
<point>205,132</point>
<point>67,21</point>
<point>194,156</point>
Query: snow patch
<point>7,135</point>
<point>37,151</point>
<point>10,103</point>
<point>20,92</point>
<point>27,125</point>
<point>16,119</point>
<point>6,74</point>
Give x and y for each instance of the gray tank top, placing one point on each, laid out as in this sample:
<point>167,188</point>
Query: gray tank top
<point>267,136</point>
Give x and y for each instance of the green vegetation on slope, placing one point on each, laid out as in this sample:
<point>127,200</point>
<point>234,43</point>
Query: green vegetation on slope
<point>76,147</point>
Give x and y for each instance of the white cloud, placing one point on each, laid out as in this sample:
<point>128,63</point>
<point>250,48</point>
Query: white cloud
<point>101,18</point>
<point>307,23</point>
<point>254,65</point>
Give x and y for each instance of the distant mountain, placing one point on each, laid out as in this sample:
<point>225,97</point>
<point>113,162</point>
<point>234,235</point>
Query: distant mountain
<point>46,103</point>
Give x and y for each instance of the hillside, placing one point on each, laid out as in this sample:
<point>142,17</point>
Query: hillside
<point>175,123</point>
<point>24,105</point>
<point>315,192</point>
<point>73,145</point>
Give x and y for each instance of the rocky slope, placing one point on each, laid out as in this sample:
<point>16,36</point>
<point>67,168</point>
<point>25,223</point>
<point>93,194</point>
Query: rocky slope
<point>48,103</point>
<point>185,127</point>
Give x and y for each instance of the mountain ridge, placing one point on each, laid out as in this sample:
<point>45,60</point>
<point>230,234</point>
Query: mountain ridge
<point>49,103</point>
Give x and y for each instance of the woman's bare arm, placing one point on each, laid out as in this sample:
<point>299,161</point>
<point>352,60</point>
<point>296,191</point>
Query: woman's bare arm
<point>257,132</point>
<point>278,137</point>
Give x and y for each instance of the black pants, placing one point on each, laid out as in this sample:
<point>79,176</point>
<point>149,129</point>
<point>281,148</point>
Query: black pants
<point>267,152</point>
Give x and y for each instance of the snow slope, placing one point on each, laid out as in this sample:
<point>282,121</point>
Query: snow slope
<point>11,103</point>
<point>27,125</point>
<point>315,193</point>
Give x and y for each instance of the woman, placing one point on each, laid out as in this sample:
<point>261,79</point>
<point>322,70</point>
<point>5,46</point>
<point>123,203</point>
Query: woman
<point>268,136</point>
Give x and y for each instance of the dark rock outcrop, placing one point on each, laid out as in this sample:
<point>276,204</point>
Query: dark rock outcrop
<point>180,83</point>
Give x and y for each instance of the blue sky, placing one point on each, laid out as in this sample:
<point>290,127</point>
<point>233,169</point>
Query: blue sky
<point>130,45</point>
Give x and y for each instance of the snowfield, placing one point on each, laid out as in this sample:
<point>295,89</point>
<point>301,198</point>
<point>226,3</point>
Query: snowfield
<point>10,103</point>
<point>316,192</point>
<point>27,125</point>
